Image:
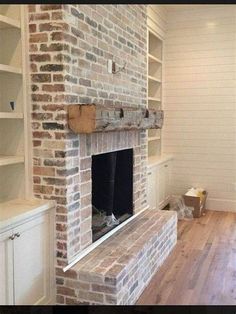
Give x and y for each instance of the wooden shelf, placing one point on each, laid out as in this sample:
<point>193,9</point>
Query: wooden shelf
<point>152,78</point>
<point>154,99</point>
<point>10,160</point>
<point>10,69</point>
<point>153,138</point>
<point>11,115</point>
<point>154,59</point>
<point>7,22</point>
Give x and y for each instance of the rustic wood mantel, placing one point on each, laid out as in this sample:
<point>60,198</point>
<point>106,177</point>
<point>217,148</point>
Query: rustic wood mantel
<point>89,118</point>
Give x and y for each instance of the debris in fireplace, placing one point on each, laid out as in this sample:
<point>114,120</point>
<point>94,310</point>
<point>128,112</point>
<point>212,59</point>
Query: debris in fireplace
<point>99,231</point>
<point>111,220</point>
<point>100,219</point>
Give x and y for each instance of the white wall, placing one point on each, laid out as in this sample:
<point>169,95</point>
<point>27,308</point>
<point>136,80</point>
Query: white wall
<point>200,101</point>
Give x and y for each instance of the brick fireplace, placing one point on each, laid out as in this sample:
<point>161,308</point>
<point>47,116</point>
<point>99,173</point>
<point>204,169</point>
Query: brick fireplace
<point>69,46</point>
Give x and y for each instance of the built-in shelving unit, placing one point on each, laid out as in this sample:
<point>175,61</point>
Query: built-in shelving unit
<point>13,134</point>
<point>155,46</point>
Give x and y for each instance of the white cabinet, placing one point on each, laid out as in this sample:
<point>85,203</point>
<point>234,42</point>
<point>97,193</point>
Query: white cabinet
<point>26,263</point>
<point>158,189</point>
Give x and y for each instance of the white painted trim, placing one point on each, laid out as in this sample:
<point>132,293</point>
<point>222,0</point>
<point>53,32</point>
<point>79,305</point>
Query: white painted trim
<point>28,149</point>
<point>52,261</point>
<point>91,247</point>
<point>221,204</point>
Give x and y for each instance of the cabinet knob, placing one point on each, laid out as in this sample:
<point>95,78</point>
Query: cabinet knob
<point>149,173</point>
<point>12,237</point>
<point>166,166</point>
<point>17,234</point>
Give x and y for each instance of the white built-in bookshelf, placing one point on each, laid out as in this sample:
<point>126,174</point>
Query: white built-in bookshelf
<point>13,122</point>
<point>155,46</point>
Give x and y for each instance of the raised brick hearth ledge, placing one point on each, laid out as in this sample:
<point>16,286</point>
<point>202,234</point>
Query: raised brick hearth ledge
<point>119,269</point>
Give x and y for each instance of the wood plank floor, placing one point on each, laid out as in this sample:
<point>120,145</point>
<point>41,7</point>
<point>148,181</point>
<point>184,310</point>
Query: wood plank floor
<point>202,267</point>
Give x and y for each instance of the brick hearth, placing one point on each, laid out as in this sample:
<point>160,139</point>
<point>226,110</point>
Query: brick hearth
<point>118,270</point>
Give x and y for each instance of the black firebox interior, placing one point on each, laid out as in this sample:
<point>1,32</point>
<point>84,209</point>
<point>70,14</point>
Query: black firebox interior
<point>112,189</point>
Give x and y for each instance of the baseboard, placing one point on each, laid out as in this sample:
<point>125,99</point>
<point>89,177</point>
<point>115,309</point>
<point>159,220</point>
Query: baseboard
<point>221,204</point>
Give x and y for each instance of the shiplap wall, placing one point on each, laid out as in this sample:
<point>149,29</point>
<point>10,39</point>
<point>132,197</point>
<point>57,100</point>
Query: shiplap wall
<point>200,101</point>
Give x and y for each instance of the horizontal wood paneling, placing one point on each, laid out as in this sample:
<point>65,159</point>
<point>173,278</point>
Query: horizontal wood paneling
<point>200,78</point>
<point>199,100</point>
<point>219,68</point>
<point>206,38</point>
<point>191,55</point>
<point>206,46</point>
<point>199,136</point>
<point>196,114</point>
<point>201,31</point>
<point>213,149</point>
<point>203,15</point>
<point>196,99</point>
<point>202,84</point>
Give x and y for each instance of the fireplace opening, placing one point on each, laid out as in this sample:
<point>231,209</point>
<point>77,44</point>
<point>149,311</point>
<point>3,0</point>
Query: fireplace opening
<point>112,190</point>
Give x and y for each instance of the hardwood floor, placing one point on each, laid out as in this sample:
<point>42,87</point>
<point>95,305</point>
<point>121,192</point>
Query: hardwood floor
<point>202,267</point>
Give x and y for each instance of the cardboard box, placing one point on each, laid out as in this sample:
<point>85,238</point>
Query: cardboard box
<point>195,202</point>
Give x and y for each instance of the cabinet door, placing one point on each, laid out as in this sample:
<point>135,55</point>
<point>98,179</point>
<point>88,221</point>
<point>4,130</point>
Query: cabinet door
<point>6,268</point>
<point>31,262</point>
<point>152,188</point>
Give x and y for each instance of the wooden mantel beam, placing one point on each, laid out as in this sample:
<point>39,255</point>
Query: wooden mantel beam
<point>89,118</point>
